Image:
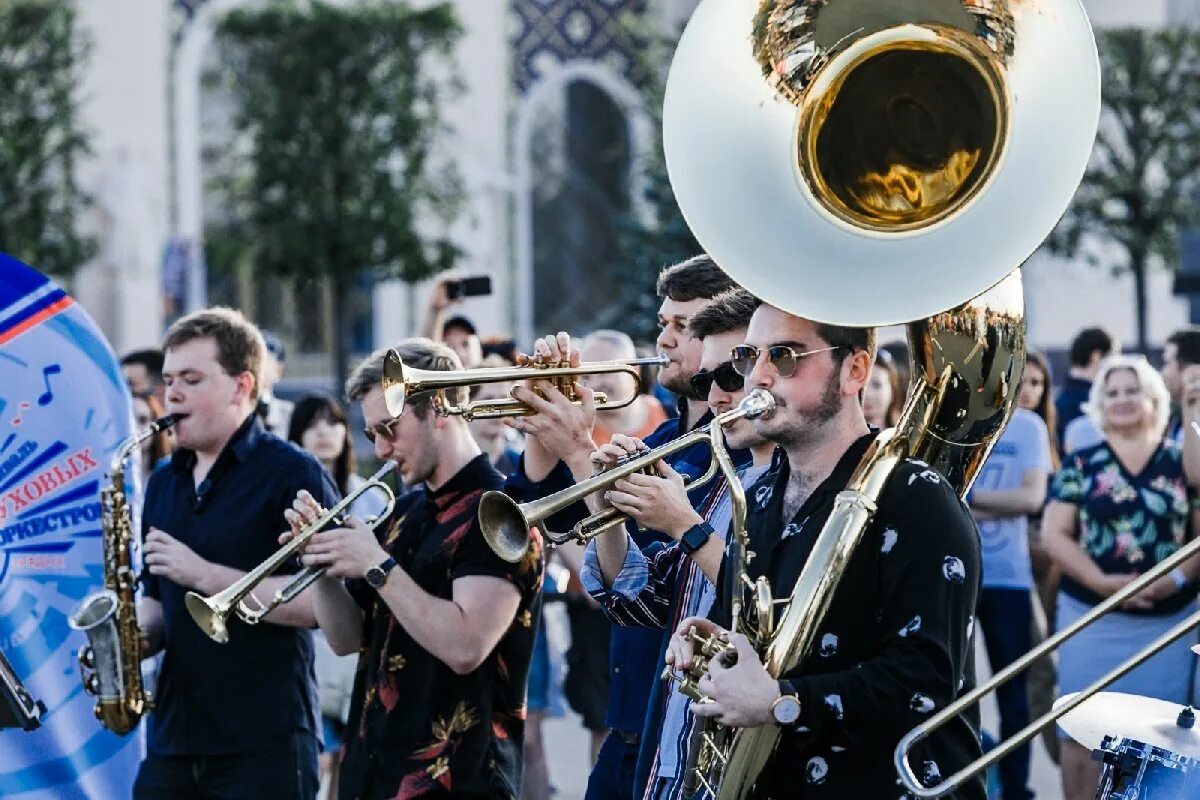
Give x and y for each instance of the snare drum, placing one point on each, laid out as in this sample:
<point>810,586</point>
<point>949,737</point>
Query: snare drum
<point>1137,771</point>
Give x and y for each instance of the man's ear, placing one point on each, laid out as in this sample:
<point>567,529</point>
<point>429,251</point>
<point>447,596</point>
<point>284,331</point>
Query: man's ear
<point>245,384</point>
<point>856,371</point>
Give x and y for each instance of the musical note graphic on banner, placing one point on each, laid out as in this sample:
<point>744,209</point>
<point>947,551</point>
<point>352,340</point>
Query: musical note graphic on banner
<point>20,410</point>
<point>48,395</point>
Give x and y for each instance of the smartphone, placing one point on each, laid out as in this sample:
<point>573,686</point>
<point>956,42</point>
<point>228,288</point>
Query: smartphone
<point>475,286</point>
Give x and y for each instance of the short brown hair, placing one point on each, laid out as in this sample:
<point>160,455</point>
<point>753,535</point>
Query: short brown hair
<point>729,311</point>
<point>849,339</point>
<point>418,353</point>
<point>239,343</point>
<point>698,278</point>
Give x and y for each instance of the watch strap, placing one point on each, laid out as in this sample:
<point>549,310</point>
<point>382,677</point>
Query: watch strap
<point>695,537</point>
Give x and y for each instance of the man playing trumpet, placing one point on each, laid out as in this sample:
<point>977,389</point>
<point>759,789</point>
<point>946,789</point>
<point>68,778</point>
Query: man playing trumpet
<point>443,625</point>
<point>659,589</point>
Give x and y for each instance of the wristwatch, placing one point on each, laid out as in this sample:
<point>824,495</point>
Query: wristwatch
<point>695,537</point>
<point>377,576</point>
<point>786,708</point>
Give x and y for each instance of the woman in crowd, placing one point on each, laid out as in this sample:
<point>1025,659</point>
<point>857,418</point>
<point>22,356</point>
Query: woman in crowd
<point>319,425</point>
<point>882,400</point>
<point>1035,396</point>
<point>146,409</point>
<point>1117,509</point>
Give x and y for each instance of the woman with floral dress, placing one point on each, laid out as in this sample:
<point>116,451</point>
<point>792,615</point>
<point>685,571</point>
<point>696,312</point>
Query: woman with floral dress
<point>1116,510</point>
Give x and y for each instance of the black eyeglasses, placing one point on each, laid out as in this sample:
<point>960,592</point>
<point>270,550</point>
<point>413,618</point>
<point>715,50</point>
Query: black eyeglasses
<point>784,358</point>
<point>725,376</point>
<point>383,429</point>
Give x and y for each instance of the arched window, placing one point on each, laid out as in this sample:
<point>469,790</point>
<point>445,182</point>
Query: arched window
<point>581,161</point>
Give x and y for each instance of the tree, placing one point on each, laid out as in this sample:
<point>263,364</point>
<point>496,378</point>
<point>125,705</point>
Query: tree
<point>42,58</point>
<point>1139,190</point>
<point>335,173</point>
<point>661,237</point>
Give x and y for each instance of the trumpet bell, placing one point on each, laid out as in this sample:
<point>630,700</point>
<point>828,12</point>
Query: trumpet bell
<point>208,617</point>
<point>861,144</point>
<point>504,526</point>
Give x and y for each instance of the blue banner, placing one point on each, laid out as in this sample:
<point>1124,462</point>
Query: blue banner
<point>64,409</point>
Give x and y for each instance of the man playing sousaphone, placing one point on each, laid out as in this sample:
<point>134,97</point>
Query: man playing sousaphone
<point>443,625</point>
<point>895,644</point>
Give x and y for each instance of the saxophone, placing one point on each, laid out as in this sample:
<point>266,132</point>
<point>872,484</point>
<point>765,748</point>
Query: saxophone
<point>110,665</point>
<point>966,366</point>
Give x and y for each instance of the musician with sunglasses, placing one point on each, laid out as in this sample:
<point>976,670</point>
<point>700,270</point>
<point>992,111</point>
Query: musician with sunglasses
<point>896,642</point>
<point>657,588</point>
<point>558,453</point>
<point>443,625</point>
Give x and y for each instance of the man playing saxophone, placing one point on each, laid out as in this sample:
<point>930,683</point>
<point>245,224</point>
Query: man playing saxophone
<point>443,624</point>
<point>237,719</point>
<point>896,642</point>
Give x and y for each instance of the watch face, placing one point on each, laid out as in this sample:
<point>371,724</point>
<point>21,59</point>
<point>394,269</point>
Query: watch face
<point>375,577</point>
<point>786,710</point>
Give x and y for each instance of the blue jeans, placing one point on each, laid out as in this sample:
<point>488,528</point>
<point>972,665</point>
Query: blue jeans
<point>1005,617</point>
<point>612,777</point>
<point>283,770</point>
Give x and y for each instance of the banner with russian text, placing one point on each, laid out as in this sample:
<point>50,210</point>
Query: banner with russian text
<point>64,409</point>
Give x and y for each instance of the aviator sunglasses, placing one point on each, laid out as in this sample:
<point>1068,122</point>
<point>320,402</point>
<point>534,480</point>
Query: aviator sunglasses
<point>784,358</point>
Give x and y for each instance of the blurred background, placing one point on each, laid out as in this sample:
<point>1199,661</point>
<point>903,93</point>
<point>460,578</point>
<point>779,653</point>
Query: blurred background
<point>316,164</point>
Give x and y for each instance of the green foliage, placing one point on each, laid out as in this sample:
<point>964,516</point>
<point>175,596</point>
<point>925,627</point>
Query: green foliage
<point>339,107</point>
<point>659,237</point>
<point>1139,190</point>
<point>42,58</point>
<point>335,172</point>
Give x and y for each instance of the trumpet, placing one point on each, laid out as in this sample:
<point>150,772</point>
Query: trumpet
<point>401,382</point>
<point>212,613</point>
<point>506,523</point>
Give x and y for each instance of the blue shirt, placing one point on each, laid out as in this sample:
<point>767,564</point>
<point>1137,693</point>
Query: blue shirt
<point>239,697</point>
<point>634,653</point>
<point>1024,445</point>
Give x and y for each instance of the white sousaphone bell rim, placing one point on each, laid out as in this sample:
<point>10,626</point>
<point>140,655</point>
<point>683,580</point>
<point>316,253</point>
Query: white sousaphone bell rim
<point>729,142</point>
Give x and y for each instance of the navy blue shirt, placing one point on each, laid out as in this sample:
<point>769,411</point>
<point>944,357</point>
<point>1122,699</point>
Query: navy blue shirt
<point>238,697</point>
<point>1069,405</point>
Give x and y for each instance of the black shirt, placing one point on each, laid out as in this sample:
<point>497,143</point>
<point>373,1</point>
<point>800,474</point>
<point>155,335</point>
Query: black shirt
<point>416,728</point>
<point>231,698</point>
<point>895,645</point>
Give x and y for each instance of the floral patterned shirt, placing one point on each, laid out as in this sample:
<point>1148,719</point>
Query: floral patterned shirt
<point>416,728</point>
<point>1127,523</point>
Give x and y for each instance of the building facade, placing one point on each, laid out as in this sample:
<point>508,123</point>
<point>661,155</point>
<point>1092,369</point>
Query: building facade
<point>550,134</point>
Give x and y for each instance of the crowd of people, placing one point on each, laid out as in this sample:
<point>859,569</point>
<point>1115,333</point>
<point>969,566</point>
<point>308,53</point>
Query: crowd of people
<point>433,670</point>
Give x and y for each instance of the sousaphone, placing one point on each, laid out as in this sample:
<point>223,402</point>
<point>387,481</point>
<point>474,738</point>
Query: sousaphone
<point>867,163</point>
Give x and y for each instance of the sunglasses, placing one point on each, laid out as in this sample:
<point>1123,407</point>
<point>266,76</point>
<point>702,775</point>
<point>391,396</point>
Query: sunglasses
<point>383,429</point>
<point>785,359</point>
<point>724,376</point>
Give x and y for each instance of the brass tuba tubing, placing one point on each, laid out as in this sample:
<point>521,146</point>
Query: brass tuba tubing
<point>401,382</point>
<point>506,523</point>
<point>212,613</point>
<point>919,733</point>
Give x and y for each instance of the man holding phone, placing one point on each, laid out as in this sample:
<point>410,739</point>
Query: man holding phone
<point>456,331</point>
